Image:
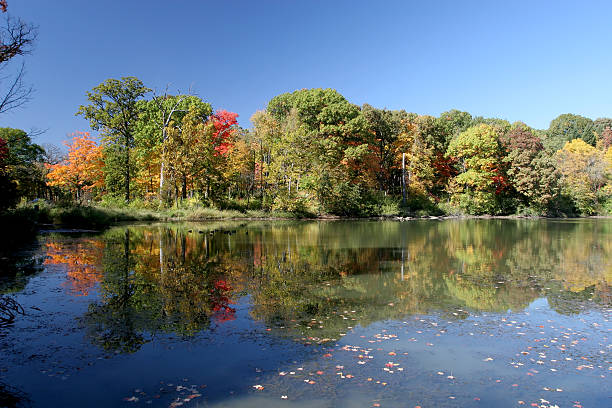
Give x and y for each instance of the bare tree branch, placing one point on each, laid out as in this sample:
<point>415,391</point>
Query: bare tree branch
<point>16,38</point>
<point>35,132</point>
<point>17,94</point>
<point>9,309</point>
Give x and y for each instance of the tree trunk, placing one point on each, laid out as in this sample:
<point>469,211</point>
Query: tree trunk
<point>176,192</point>
<point>161,170</point>
<point>127,172</point>
<point>404,179</point>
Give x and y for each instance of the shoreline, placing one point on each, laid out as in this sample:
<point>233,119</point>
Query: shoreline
<point>27,221</point>
<point>63,228</point>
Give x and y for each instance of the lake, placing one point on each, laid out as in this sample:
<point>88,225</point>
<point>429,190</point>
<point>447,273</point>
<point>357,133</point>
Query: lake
<point>447,313</point>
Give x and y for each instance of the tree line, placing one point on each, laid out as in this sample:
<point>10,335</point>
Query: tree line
<point>312,151</point>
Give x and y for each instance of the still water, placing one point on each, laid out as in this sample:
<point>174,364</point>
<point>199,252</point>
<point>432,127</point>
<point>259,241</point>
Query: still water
<point>474,313</point>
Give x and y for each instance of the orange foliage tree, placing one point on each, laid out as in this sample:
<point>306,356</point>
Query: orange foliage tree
<point>82,170</point>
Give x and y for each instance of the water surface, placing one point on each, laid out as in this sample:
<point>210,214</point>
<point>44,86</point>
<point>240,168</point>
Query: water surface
<point>313,314</point>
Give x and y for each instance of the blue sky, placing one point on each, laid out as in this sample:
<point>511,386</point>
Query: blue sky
<point>518,60</point>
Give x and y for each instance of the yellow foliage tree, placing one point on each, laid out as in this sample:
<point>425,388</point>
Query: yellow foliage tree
<point>586,172</point>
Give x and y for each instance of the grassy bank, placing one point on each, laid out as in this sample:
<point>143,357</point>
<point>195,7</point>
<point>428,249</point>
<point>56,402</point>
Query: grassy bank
<point>27,219</point>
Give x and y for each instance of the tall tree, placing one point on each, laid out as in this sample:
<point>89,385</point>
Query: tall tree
<point>336,141</point>
<point>113,109</point>
<point>158,114</point>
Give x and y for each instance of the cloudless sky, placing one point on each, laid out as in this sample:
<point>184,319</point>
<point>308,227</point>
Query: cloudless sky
<point>517,60</point>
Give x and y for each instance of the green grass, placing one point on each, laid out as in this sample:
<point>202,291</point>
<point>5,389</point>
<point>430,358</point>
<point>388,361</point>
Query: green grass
<point>27,219</point>
<point>96,217</point>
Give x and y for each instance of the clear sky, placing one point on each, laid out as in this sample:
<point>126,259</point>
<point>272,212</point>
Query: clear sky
<point>518,60</point>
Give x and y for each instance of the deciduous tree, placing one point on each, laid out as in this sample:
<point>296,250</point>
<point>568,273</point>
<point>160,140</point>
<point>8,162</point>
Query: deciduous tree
<point>585,173</point>
<point>530,171</point>
<point>113,109</point>
<point>82,170</point>
<point>567,127</point>
<point>481,179</point>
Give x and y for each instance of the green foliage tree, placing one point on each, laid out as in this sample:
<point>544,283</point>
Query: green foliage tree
<point>334,136</point>
<point>478,186</point>
<point>114,110</point>
<point>567,127</point>
<point>23,165</point>
<point>455,121</point>
<point>501,126</point>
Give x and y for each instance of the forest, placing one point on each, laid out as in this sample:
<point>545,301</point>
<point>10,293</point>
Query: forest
<point>309,152</point>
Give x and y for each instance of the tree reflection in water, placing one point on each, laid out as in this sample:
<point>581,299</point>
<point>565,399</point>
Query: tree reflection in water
<point>309,278</point>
